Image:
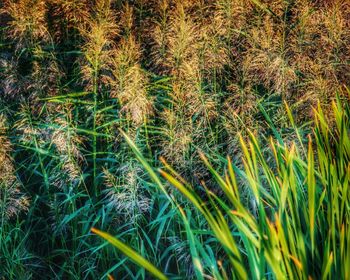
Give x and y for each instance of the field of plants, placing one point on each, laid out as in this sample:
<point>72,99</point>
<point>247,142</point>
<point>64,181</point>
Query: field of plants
<point>175,139</point>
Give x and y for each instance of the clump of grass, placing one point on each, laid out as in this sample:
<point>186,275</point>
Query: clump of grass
<point>300,226</point>
<point>99,35</point>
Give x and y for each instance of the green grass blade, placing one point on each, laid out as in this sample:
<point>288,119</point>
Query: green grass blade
<point>132,254</point>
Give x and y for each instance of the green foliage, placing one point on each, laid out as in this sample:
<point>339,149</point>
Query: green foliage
<point>299,227</point>
<point>95,95</point>
<point>131,254</point>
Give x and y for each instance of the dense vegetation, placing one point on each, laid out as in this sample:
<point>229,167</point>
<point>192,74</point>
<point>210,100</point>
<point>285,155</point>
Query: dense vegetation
<point>210,137</point>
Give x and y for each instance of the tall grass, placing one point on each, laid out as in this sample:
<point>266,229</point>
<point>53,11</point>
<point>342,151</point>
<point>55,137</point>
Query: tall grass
<point>176,77</point>
<point>298,224</point>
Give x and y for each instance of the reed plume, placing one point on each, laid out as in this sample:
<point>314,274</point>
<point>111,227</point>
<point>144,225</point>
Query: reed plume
<point>27,22</point>
<point>125,196</point>
<point>12,200</point>
<point>129,81</point>
<point>68,144</point>
<point>99,38</point>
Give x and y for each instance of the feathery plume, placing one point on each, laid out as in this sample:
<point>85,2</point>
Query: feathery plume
<point>12,200</point>
<point>27,24</point>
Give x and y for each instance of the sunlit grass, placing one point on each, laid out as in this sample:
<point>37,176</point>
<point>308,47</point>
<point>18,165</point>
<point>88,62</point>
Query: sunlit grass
<point>183,128</point>
<point>300,227</point>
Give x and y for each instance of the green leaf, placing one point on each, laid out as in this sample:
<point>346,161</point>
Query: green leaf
<point>132,254</point>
